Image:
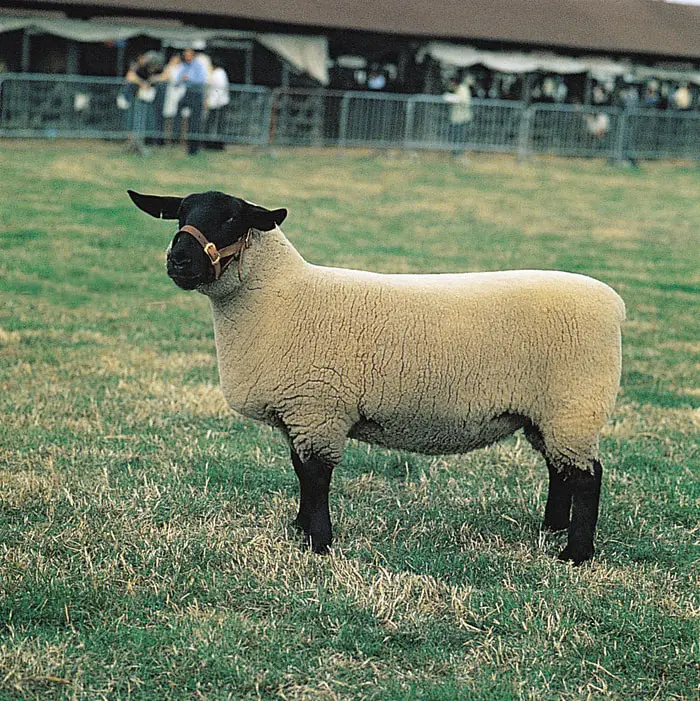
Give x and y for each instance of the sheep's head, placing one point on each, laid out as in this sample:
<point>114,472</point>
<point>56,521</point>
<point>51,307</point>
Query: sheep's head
<point>222,220</point>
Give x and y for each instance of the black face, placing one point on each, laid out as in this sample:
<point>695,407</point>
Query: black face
<point>222,219</point>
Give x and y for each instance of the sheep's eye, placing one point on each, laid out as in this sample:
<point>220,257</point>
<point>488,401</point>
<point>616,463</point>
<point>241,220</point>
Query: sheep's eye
<point>227,226</point>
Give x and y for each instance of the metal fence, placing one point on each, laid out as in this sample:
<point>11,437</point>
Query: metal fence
<point>108,108</point>
<point>76,106</point>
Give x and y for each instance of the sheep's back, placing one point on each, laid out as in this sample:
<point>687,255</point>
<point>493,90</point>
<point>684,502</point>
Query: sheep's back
<point>464,349</point>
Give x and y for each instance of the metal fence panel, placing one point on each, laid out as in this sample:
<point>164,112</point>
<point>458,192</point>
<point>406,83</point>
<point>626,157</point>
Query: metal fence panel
<point>246,118</point>
<point>305,117</point>
<point>573,130</point>
<point>370,119</point>
<point>48,106</point>
<point>394,121</point>
<point>494,125</point>
<point>657,134</point>
<point>79,106</point>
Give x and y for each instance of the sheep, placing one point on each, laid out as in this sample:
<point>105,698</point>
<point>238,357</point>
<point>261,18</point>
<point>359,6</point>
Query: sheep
<point>433,363</point>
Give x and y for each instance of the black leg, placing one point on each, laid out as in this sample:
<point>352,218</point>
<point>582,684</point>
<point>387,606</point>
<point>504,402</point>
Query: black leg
<point>585,491</point>
<point>558,509</point>
<point>314,515</point>
<point>301,522</point>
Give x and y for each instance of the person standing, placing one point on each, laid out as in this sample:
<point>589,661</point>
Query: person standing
<point>217,99</point>
<point>460,98</point>
<point>193,74</point>
<point>138,97</point>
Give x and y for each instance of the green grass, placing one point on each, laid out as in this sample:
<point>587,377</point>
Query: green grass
<point>144,542</point>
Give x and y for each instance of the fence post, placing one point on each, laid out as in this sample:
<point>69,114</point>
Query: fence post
<point>343,126</point>
<point>275,102</point>
<point>620,137</point>
<point>410,113</point>
<point>268,134</point>
<point>524,133</point>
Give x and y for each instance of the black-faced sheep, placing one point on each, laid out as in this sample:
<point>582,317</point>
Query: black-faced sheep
<point>435,364</point>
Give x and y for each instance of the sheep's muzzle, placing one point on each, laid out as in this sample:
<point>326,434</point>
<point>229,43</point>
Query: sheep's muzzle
<point>220,258</point>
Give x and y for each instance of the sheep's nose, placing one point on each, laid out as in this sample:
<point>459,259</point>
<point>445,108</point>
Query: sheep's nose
<point>179,259</point>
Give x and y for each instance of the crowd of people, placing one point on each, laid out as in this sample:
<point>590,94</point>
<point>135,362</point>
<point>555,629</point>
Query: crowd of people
<point>429,77</point>
<point>462,86</point>
<point>183,97</point>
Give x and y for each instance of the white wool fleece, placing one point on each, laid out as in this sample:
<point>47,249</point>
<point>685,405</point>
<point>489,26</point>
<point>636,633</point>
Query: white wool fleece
<point>440,363</point>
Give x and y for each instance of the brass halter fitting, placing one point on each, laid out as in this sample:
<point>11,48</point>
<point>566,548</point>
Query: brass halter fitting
<point>232,252</point>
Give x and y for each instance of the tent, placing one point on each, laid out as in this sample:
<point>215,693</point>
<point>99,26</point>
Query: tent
<point>308,54</point>
<point>462,56</point>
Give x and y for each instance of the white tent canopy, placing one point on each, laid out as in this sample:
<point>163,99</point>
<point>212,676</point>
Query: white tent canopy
<point>462,56</point>
<point>308,54</point>
<point>518,62</point>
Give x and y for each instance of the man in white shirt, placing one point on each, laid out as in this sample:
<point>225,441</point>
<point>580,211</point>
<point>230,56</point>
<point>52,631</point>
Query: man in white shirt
<point>460,98</point>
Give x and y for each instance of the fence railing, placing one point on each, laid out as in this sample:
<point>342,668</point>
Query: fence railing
<point>76,106</point>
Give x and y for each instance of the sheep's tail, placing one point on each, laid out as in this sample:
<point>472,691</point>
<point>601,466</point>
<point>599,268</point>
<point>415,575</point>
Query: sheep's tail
<point>617,303</point>
<point>621,309</point>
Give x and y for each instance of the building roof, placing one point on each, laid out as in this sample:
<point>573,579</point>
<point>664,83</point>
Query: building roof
<point>641,27</point>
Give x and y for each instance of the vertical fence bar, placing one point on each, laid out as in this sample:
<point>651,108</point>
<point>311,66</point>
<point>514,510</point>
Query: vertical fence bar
<point>524,133</point>
<point>343,120</point>
<point>410,116</point>
<point>620,154</point>
<point>267,119</point>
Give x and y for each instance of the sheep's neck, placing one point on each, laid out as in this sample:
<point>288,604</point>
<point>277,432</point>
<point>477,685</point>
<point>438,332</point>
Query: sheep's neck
<point>250,318</point>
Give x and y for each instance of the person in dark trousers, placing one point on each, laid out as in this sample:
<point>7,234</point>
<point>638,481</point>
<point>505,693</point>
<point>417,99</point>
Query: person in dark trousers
<point>138,96</point>
<point>459,96</point>
<point>216,101</point>
<point>193,74</point>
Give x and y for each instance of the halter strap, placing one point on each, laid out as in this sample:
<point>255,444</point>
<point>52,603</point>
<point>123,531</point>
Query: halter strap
<point>232,252</point>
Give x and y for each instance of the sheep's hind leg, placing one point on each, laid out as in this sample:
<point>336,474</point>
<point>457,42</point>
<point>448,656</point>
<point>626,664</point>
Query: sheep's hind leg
<point>301,522</point>
<point>585,492</point>
<point>314,518</point>
<point>558,509</point>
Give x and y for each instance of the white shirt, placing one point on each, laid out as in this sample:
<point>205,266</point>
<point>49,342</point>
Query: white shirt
<point>217,89</point>
<point>460,109</point>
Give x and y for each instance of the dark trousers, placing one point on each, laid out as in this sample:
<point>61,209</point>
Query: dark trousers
<point>194,100</point>
<point>458,137</point>
<point>213,128</point>
<point>155,126</point>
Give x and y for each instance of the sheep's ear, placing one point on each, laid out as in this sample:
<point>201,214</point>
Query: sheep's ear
<point>263,219</point>
<point>158,207</point>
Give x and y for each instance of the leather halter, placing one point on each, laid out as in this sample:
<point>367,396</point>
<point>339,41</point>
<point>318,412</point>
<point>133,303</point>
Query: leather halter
<point>216,256</point>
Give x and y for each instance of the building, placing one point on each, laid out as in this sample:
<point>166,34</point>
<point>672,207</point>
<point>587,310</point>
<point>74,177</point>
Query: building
<point>511,47</point>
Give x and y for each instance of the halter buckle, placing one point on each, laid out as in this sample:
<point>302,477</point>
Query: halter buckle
<point>212,252</point>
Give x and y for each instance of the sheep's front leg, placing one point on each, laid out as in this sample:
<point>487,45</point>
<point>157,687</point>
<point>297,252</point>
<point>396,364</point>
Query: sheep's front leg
<point>314,515</point>
<point>558,509</point>
<point>585,492</point>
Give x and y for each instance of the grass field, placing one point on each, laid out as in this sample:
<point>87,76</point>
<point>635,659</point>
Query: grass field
<point>144,542</point>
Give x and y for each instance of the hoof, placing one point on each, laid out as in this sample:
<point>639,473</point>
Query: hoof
<point>316,547</point>
<point>297,525</point>
<point>576,555</point>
